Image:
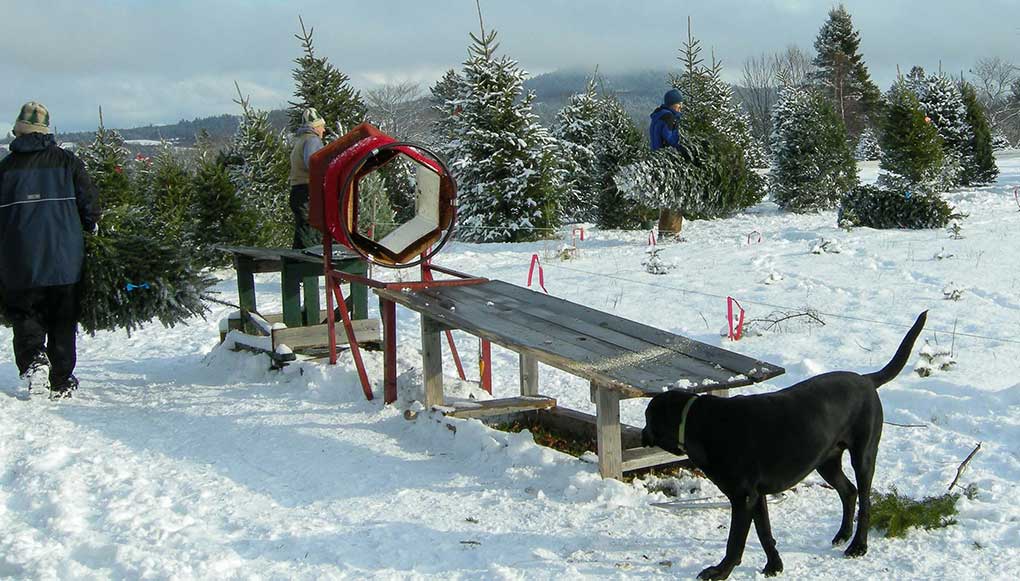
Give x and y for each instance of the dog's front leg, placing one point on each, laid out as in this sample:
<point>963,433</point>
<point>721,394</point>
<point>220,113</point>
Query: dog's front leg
<point>763,527</point>
<point>740,525</point>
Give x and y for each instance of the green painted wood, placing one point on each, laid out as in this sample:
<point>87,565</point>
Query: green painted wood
<point>290,287</point>
<point>310,308</point>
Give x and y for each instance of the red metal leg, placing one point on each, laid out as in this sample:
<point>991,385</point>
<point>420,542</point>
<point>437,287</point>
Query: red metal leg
<point>327,255</point>
<point>485,365</point>
<point>353,342</point>
<point>389,320</point>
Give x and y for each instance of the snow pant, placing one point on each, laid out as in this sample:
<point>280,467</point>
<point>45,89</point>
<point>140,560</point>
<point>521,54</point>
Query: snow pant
<point>45,320</point>
<point>304,235</point>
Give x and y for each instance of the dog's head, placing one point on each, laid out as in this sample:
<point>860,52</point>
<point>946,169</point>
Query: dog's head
<point>662,421</point>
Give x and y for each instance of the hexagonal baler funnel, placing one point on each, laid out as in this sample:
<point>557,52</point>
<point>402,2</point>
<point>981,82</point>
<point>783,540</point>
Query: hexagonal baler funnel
<point>336,172</point>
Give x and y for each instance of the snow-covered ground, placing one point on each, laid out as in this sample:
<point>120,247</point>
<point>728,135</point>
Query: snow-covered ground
<point>179,459</point>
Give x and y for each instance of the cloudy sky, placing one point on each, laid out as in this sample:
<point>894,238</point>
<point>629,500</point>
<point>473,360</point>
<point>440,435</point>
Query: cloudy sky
<point>148,61</point>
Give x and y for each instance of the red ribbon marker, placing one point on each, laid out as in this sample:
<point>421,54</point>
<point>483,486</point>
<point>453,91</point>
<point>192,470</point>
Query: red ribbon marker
<point>576,230</point>
<point>738,332</point>
<point>541,273</point>
<point>651,237</point>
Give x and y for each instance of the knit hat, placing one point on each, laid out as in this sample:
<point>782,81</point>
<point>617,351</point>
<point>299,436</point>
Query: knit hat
<point>672,97</point>
<point>311,118</point>
<point>34,118</point>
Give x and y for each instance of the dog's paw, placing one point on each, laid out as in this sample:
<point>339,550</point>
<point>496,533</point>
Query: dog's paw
<point>713,573</point>
<point>841,537</point>
<point>856,550</point>
<point>772,568</point>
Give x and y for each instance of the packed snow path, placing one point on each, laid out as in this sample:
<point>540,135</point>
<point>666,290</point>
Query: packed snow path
<point>178,459</point>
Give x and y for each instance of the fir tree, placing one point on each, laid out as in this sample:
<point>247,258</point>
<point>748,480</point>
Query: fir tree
<point>106,161</point>
<point>978,166</point>
<point>911,147</point>
<point>260,174</point>
<point>220,217</point>
<point>618,143</point>
<point>842,75</point>
<point>867,148</point>
<point>576,126</point>
<point>324,87</point>
<point>709,101</point>
<point>503,159</point>
<point>812,168</point>
<point>942,104</point>
<point>169,197</point>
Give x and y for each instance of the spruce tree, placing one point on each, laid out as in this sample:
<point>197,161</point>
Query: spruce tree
<point>978,165</point>
<point>619,142</point>
<point>505,162</point>
<point>867,148</point>
<point>843,76</point>
<point>911,147</point>
<point>260,173</point>
<point>576,126</point>
<point>813,167</point>
<point>220,217</point>
<point>106,161</point>
<point>324,87</point>
<point>169,197</point>
<point>942,104</point>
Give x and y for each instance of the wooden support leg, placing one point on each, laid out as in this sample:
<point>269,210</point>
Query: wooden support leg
<point>359,292</point>
<point>529,375</point>
<point>245,268</point>
<point>311,294</point>
<point>485,364</point>
<point>432,362</point>
<point>610,446</point>
<point>388,311</point>
<point>291,287</point>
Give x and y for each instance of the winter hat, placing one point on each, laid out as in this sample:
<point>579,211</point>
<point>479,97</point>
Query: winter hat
<point>34,118</point>
<point>672,97</point>
<point>311,118</point>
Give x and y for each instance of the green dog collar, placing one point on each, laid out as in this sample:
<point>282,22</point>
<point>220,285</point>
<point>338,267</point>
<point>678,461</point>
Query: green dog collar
<point>683,423</point>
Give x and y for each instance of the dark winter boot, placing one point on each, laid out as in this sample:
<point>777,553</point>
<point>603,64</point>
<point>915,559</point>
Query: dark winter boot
<point>63,389</point>
<point>36,376</point>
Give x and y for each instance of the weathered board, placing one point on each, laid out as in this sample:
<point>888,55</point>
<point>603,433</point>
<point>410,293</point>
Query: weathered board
<point>629,357</point>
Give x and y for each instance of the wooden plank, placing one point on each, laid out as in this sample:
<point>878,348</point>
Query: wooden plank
<point>432,362</point>
<point>576,424</point>
<point>638,458</point>
<point>290,288</point>
<point>529,375</point>
<point>365,330</point>
<point>495,407</point>
<point>754,368</point>
<point>562,351</point>
<point>668,363</point>
<point>610,447</point>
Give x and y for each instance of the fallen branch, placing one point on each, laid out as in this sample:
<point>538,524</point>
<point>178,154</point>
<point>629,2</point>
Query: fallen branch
<point>907,425</point>
<point>963,466</point>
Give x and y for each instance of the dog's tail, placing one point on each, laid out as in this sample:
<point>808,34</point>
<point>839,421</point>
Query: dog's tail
<point>893,368</point>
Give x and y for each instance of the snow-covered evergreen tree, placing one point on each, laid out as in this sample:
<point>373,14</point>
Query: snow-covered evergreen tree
<point>867,148</point>
<point>942,104</point>
<point>324,87</point>
<point>842,75</point>
<point>911,147</point>
<point>576,127</point>
<point>709,101</point>
<point>812,167</point>
<point>978,164</point>
<point>106,161</point>
<point>260,173</point>
<point>169,197</point>
<point>618,143</point>
<point>505,162</point>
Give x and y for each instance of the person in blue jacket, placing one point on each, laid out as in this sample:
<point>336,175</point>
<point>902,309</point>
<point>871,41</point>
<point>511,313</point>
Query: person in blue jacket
<point>663,130</point>
<point>47,203</point>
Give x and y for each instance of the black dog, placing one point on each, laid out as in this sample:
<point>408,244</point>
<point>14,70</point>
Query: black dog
<point>750,446</point>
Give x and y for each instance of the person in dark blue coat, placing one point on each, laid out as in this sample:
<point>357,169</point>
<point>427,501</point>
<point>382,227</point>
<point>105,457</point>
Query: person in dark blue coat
<point>662,131</point>
<point>47,201</point>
